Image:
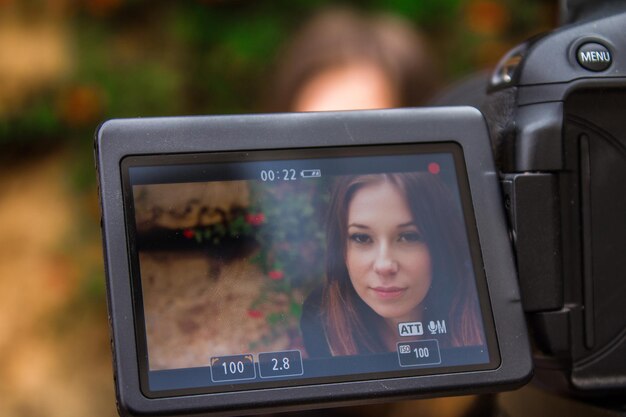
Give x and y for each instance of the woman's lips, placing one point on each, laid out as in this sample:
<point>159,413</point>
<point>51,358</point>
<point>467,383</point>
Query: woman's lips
<point>388,292</point>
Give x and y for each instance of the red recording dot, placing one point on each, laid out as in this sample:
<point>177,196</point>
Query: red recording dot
<point>434,168</point>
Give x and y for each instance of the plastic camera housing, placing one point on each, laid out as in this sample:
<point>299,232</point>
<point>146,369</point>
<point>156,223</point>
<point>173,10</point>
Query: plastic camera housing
<point>137,154</point>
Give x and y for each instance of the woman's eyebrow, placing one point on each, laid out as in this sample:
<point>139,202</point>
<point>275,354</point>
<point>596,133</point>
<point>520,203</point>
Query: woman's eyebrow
<point>407,224</point>
<point>358,225</point>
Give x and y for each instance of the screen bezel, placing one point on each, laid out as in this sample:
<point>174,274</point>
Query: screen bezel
<point>284,155</point>
<point>117,139</point>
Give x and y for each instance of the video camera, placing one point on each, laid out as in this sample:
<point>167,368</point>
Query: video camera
<point>289,261</point>
<point>553,108</point>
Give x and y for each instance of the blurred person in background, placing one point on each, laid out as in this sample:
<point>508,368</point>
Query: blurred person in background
<point>344,60</point>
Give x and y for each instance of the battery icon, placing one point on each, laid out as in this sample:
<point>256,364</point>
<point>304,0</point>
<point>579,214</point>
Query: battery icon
<point>311,173</point>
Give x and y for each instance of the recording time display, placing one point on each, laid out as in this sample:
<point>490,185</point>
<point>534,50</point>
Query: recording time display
<point>268,175</point>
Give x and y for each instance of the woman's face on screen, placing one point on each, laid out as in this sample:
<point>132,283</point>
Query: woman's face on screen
<point>388,261</point>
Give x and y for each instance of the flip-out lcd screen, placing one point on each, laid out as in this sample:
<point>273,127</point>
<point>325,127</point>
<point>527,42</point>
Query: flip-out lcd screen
<point>291,267</point>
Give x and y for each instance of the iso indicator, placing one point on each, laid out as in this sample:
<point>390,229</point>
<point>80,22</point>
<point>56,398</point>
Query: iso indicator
<point>422,352</point>
<point>277,364</point>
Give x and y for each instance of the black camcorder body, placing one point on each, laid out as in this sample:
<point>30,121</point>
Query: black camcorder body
<point>289,261</point>
<point>555,107</point>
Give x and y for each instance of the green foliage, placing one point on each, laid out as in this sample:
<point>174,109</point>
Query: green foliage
<point>37,122</point>
<point>291,254</point>
<point>147,58</point>
<point>425,13</point>
<point>234,227</point>
<point>291,237</point>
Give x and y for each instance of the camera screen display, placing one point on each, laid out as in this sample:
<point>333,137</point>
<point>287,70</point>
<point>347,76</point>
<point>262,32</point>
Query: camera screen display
<point>290,267</point>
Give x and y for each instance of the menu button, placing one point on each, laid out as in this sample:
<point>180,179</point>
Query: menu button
<point>594,56</point>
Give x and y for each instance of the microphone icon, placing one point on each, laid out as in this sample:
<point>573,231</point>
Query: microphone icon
<point>432,327</point>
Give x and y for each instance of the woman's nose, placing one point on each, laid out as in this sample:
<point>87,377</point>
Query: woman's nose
<point>385,263</point>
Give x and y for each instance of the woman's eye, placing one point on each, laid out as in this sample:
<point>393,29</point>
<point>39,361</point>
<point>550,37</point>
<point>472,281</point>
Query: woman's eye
<point>360,238</point>
<point>410,237</point>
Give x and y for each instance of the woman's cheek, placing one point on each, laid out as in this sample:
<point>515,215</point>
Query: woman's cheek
<point>359,259</point>
<point>418,266</point>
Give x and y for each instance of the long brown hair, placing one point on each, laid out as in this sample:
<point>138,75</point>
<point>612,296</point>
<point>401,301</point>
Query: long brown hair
<point>339,36</point>
<point>351,325</point>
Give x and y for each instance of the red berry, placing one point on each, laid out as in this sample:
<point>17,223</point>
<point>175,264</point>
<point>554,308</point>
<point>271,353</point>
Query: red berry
<point>276,274</point>
<point>255,314</point>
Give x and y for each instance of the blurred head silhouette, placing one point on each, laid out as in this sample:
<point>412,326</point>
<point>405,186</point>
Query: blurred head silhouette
<point>344,60</point>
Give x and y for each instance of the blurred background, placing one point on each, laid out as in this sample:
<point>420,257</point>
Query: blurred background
<point>65,66</point>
